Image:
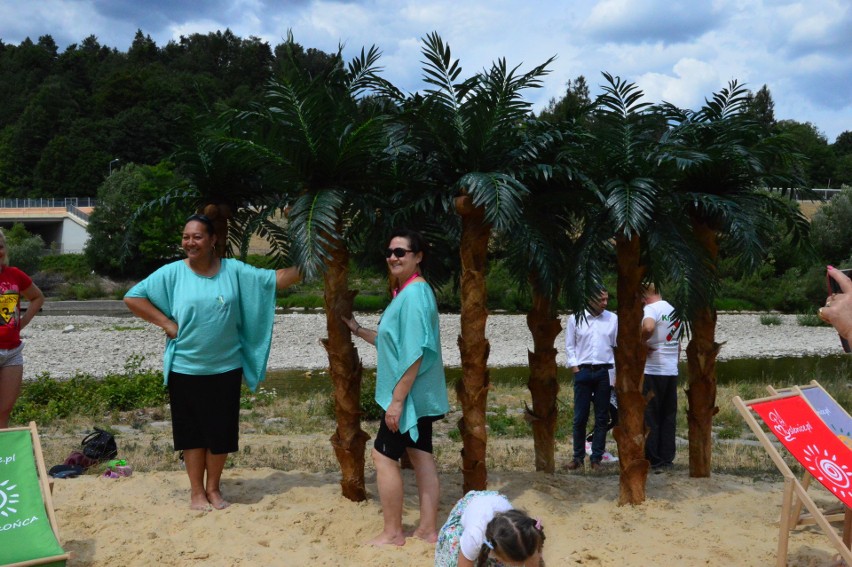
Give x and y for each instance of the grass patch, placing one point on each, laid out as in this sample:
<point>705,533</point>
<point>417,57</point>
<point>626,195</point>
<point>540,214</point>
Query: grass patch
<point>292,431</point>
<point>733,304</point>
<point>810,320</point>
<point>770,319</point>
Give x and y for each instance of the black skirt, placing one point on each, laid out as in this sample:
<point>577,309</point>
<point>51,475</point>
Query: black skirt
<point>206,411</point>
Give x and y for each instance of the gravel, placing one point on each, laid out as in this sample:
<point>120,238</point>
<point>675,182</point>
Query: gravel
<point>63,345</point>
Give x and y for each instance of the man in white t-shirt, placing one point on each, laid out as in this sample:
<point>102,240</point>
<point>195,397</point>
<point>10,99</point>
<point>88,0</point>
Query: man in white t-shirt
<point>662,333</point>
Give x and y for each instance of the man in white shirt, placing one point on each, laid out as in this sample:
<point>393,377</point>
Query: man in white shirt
<point>589,346</point>
<point>662,334</point>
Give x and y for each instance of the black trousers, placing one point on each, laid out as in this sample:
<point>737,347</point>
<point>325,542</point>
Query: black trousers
<point>661,419</point>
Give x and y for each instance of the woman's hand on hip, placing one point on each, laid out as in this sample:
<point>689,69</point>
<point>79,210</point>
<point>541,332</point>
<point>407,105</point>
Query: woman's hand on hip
<point>171,329</point>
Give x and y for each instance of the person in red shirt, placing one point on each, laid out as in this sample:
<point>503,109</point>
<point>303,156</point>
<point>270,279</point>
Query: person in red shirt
<point>13,285</point>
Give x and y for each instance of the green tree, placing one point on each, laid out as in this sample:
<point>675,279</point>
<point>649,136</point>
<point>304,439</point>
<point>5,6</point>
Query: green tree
<point>574,105</point>
<point>125,245</point>
<point>831,228</point>
<point>816,171</point>
<point>761,108</point>
<point>24,249</point>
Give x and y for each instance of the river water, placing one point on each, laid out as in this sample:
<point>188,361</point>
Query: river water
<point>779,372</point>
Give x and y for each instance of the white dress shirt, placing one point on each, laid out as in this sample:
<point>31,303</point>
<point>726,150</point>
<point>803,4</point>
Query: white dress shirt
<point>591,341</point>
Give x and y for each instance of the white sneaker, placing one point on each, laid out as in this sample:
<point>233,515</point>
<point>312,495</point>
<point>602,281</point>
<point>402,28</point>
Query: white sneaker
<point>607,457</point>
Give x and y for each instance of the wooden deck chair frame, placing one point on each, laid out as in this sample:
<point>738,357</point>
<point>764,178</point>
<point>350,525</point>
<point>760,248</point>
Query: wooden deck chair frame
<point>793,488</point>
<point>838,514</point>
<point>47,496</point>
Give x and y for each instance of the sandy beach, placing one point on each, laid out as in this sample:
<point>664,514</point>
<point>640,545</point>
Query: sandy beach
<point>296,518</point>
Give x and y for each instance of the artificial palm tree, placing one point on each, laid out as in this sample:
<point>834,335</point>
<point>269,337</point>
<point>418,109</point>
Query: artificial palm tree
<point>321,146</point>
<point>726,195</point>
<point>537,249</point>
<point>469,135</point>
<point>629,167</point>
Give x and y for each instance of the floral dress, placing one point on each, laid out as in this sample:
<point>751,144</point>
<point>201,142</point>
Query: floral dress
<point>448,547</point>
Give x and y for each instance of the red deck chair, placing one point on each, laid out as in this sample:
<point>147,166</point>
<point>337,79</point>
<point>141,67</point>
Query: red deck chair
<point>840,422</point>
<point>793,421</point>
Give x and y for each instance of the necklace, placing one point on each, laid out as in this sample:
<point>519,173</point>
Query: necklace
<point>408,281</point>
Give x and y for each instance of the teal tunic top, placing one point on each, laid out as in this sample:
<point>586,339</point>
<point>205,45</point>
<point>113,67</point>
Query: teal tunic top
<point>224,321</point>
<point>409,330</point>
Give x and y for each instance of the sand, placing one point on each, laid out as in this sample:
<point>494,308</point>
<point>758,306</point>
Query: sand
<point>291,518</point>
<point>294,518</point>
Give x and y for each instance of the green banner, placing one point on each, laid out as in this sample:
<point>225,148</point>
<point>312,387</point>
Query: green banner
<point>25,532</point>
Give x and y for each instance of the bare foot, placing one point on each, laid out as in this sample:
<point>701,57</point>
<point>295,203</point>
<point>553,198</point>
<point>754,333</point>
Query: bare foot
<point>426,535</point>
<point>387,539</point>
<point>215,499</point>
<point>199,502</point>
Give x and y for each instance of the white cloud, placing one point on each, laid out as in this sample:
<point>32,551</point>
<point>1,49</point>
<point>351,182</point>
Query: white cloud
<point>677,51</point>
<point>690,82</point>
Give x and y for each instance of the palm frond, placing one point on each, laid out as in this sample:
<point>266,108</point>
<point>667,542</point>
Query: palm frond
<point>313,227</point>
<point>631,203</point>
<point>500,194</point>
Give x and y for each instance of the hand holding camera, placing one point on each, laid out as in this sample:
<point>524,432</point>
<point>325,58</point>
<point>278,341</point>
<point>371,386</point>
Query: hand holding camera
<point>838,307</point>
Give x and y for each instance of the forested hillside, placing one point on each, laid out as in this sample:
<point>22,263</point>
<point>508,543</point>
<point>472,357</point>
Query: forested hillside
<point>64,117</point>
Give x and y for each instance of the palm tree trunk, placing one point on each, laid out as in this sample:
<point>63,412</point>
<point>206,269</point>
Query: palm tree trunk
<point>349,440</point>
<point>472,389</point>
<point>544,326</point>
<point>630,433</point>
<point>701,355</point>
<point>219,214</point>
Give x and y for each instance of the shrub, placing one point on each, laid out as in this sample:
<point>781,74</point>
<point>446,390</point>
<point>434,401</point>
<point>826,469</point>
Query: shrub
<point>831,228</point>
<point>300,300</point>
<point>370,302</point>
<point>770,319</point>
<point>810,320</point>
<point>45,399</point>
<point>24,249</point>
<point>733,304</point>
<point>72,266</point>
<point>82,291</point>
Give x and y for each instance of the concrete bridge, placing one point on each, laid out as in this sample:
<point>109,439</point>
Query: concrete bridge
<point>62,223</point>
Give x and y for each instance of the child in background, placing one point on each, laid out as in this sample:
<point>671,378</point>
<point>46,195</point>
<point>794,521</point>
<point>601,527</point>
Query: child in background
<point>483,529</point>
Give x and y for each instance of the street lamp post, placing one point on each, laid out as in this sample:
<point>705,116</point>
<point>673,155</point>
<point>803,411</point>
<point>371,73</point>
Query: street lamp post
<point>116,160</point>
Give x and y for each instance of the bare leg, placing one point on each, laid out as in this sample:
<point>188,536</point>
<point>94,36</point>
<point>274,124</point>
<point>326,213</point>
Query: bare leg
<point>389,481</point>
<point>429,490</point>
<point>195,461</point>
<point>215,465</point>
<point>10,389</point>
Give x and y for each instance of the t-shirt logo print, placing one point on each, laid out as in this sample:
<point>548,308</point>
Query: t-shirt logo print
<point>674,330</point>
<point>8,498</point>
<point>8,306</point>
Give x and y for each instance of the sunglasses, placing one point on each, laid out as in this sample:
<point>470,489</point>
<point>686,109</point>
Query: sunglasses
<point>398,252</point>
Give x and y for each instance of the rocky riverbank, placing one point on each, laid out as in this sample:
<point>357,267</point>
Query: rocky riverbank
<point>65,344</point>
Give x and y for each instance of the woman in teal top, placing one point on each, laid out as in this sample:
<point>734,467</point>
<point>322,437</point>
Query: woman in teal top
<point>410,387</point>
<point>217,315</point>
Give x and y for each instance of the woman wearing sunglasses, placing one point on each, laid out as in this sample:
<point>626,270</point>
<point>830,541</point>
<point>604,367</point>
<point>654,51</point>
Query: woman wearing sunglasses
<point>410,387</point>
<point>217,315</point>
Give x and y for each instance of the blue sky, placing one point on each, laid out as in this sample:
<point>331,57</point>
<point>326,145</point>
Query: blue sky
<point>675,51</point>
